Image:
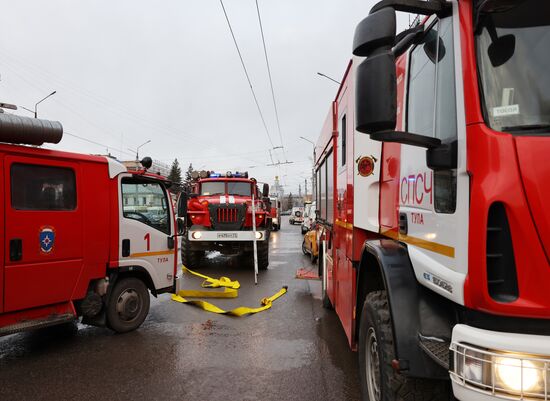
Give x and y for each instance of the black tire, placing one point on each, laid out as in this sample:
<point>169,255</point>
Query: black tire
<point>263,255</point>
<point>304,249</point>
<point>379,381</point>
<point>128,305</point>
<point>190,259</point>
<point>313,258</point>
<point>303,229</point>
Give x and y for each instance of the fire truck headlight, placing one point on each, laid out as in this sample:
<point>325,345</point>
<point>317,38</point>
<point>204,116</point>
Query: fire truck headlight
<point>510,372</point>
<point>196,235</point>
<point>259,235</point>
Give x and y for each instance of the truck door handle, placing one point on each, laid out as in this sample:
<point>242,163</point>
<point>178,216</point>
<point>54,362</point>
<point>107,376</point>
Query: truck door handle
<point>403,224</point>
<point>16,249</point>
<point>125,248</point>
<point>171,243</point>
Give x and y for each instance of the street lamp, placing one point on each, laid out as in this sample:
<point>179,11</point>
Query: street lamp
<point>313,183</point>
<point>139,147</point>
<point>40,101</point>
<point>327,77</point>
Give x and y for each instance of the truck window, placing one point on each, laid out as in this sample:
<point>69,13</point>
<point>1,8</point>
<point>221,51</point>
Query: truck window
<point>153,210</point>
<point>35,187</point>
<point>343,139</point>
<point>239,188</point>
<point>213,188</point>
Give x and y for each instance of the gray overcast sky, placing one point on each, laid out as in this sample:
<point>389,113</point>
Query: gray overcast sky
<point>127,71</point>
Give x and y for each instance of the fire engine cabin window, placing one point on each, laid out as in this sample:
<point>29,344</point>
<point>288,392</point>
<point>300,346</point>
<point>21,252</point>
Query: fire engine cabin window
<point>513,60</point>
<point>420,110</point>
<point>343,140</point>
<point>153,211</point>
<point>330,188</point>
<point>432,101</point>
<point>239,188</point>
<point>36,187</point>
<point>213,188</point>
<point>323,190</point>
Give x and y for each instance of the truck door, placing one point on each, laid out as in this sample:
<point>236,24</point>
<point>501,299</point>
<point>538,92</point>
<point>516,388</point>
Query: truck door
<point>433,210</point>
<point>146,226</point>
<point>43,232</point>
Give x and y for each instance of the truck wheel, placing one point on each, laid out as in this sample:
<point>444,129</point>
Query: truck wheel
<point>303,229</point>
<point>189,258</point>
<point>263,255</point>
<point>128,305</point>
<point>304,249</point>
<point>379,382</point>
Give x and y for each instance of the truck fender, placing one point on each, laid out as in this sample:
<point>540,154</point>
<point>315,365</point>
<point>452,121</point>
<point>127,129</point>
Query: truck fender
<point>416,312</point>
<point>131,271</point>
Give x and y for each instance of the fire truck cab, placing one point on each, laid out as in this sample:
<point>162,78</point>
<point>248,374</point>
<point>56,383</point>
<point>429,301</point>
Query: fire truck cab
<point>82,235</point>
<point>431,179</point>
<point>219,217</point>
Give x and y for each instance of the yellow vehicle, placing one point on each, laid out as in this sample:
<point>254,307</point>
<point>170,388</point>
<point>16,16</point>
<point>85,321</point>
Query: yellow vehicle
<point>310,245</point>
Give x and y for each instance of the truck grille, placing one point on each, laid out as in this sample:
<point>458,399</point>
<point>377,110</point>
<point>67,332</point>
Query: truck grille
<point>227,215</point>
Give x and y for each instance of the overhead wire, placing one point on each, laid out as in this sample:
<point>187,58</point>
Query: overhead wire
<point>270,80</point>
<point>97,143</point>
<point>246,74</point>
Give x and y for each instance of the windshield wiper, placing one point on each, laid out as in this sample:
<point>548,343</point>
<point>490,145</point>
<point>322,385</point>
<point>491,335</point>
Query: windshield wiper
<point>527,127</point>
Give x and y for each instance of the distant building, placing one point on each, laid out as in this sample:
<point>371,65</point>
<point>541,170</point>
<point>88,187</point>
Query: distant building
<point>277,189</point>
<point>157,167</point>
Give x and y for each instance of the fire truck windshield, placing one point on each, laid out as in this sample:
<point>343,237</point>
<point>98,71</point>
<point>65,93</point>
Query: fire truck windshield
<point>513,62</point>
<point>239,188</point>
<point>213,188</point>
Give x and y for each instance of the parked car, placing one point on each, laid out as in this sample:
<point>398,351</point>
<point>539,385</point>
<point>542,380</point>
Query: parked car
<point>309,217</point>
<point>310,244</point>
<point>296,215</point>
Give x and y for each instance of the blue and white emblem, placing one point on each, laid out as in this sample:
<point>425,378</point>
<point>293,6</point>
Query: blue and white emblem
<point>47,239</point>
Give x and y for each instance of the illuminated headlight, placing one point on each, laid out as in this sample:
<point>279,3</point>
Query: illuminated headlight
<point>512,375</point>
<point>259,235</point>
<point>196,235</point>
<point>275,220</point>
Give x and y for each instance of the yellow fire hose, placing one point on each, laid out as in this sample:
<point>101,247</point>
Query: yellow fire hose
<point>230,291</point>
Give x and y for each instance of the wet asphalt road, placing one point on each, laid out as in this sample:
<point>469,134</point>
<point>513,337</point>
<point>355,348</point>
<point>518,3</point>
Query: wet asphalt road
<point>295,351</point>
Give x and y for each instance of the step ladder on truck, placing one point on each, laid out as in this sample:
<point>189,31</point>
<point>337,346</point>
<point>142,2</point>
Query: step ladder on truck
<point>432,178</point>
<point>83,236</point>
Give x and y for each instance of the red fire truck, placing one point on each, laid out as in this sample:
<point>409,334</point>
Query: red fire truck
<point>432,175</point>
<point>275,213</point>
<point>219,212</point>
<point>82,235</point>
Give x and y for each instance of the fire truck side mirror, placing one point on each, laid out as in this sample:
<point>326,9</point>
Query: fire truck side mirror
<point>180,225</point>
<point>265,190</point>
<point>376,94</point>
<point>267,203</point>
<point>375,32</point>
<point>182,205</point>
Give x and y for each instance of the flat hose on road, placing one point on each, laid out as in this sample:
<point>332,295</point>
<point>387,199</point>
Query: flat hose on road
<point>230,291</point>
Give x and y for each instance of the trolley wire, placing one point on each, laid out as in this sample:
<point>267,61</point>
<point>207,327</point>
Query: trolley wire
<point>246,73</point>
<point>270,80</point>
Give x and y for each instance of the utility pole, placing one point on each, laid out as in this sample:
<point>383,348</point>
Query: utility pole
<point>305,187</point>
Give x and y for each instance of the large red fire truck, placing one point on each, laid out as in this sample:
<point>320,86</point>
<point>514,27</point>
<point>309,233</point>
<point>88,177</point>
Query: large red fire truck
<point>219,217</point>
<point>82,235</point>
<point>432,177</point>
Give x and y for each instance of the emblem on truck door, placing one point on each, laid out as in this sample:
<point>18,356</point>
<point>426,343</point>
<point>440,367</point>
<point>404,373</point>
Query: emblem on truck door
<point>365,165</point>
<point>47,239</point>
